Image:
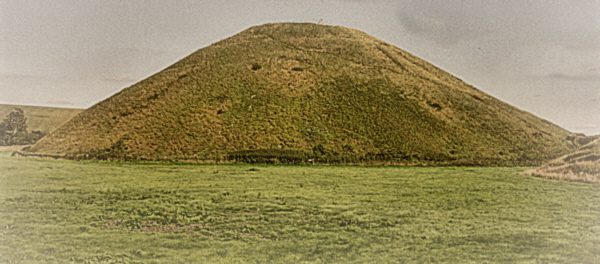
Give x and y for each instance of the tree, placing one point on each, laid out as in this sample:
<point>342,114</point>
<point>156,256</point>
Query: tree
<point>319,150</point>
<point>15,122</point>
<point>13,130</point>
<point>3,134</point>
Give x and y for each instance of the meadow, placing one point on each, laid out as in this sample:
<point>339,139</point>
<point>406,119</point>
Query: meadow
<point>58,211</point>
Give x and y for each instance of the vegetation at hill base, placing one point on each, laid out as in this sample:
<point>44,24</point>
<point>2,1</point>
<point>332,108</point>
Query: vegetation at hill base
<point>60,211</point>
<point>582,165</point>
<point>289,92</point>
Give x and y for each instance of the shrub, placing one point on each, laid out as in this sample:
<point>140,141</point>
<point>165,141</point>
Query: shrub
<point>269,156</point>
<point>319,150</point>
<point>348,149</point>
<point>256,66</point>
<point>435,106</point>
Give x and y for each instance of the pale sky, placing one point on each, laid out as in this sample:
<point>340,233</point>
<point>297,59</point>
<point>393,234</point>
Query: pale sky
<point>542,56</point>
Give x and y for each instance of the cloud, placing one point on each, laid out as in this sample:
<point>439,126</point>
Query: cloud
<point>575,78</point>
<point>22,76</point>
<point>437,30</point>
<point>590,43</point>
<point>517,22</point>
<point>60,103</point>
<point>451,22</point>
<point>121,79</point>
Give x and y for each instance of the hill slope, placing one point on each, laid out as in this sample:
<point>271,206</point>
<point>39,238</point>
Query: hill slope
<point>299,90</point>
<point>41,118</point>
<point>581,165</point>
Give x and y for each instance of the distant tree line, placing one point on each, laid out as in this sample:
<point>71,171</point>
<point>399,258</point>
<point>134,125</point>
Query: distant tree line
<point>13,130</point>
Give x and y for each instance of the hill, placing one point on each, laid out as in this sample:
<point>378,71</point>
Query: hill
<point>294,92</point>
<point>41,118</point>
<point>581,165</point>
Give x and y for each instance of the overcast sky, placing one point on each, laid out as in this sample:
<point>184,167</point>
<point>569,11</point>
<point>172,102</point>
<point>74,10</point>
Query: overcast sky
<point>541,56</point>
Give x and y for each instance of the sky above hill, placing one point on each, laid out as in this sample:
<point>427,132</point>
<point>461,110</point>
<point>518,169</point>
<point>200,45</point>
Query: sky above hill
<point>541,56</point>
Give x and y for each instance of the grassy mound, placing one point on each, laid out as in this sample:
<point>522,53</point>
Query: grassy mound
<point>331,93</point>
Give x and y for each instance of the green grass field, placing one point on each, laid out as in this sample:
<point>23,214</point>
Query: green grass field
<point>55,211</point>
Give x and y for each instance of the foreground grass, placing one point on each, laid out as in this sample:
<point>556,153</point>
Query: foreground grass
<point>99,212</point>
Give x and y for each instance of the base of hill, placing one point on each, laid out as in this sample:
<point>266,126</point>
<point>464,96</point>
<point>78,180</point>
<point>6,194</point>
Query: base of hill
<point>579,172</point>
<point>290,157</point>
<point>582,165</point>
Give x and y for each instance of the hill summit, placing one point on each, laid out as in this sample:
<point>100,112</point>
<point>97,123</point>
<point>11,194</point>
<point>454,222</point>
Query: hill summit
<point>296,92</point>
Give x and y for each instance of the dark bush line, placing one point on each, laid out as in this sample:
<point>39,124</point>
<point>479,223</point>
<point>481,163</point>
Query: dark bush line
<point>289,156</point>
<point>320,156</point>
<point>246,157</point>
<point>117,152</point>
